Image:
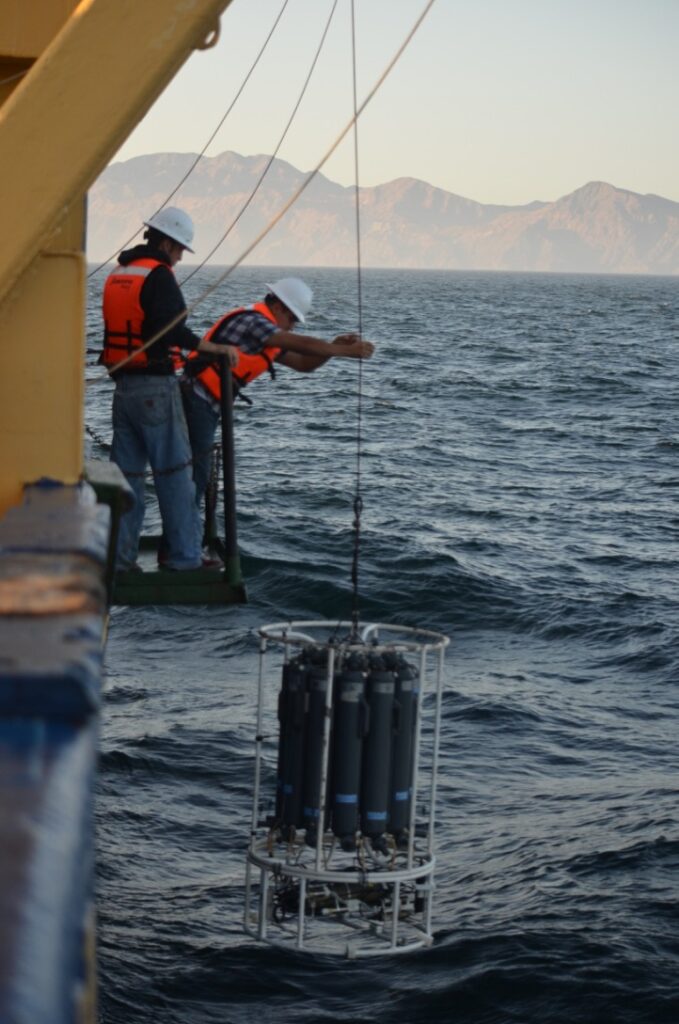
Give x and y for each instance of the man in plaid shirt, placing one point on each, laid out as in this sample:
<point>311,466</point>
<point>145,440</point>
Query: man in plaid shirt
<point>257,337</point>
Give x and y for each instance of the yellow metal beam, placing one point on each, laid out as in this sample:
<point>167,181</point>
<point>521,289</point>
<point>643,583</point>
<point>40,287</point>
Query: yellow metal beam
<point>41,386</point>
<point>59,127</point>
<point>79,102</point>
<point>26,27</point>
<point>24,33</point>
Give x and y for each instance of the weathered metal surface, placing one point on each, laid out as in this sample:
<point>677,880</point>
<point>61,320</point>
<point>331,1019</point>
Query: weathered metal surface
<point>52,618</point>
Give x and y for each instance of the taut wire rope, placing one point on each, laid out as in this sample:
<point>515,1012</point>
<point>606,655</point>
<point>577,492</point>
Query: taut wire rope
<point>209,141</point>
<point>273,156</point>
<point>358,498</point>
<point>290,202</point>
<point>13,78</point>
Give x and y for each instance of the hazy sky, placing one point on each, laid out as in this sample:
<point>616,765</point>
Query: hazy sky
<point>502,101</point>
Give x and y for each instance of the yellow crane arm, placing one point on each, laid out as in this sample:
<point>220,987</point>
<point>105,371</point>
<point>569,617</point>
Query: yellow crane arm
<point>95,68</point>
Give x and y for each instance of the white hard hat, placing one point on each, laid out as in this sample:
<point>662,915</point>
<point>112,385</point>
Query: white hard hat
<point>174,223</point>
<point>293,293</point>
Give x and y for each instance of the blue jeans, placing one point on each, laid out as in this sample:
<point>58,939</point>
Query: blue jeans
<point>202,422</point>
<point>149,427</point>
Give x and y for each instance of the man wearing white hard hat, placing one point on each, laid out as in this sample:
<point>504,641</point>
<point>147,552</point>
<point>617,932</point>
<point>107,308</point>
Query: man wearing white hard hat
<point>262,335</point>
<point>141,298</point>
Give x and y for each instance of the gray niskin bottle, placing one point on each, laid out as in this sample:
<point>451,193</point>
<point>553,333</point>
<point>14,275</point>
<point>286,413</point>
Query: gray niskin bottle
<point>291,715</point>
<point>400,797</point>
<point>317,686</point>
<point>376,772</point>
<point>350,721</point>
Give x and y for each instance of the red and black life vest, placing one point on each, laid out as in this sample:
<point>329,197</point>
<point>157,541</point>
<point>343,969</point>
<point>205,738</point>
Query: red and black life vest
<point>123,313</point>
<point>248,367</point>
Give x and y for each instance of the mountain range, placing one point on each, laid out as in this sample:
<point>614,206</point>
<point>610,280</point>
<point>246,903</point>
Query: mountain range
<point>599,228</point>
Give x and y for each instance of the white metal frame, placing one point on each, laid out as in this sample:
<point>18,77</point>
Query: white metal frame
<point>405,878</point>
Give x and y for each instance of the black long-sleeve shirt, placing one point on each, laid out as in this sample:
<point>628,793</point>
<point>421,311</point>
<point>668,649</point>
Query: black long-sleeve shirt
<point>162,301</point>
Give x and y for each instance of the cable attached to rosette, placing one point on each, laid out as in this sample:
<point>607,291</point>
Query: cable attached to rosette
<point>358,499</point>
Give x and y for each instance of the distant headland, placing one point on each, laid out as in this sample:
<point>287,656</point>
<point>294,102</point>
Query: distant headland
<point>599,228</point>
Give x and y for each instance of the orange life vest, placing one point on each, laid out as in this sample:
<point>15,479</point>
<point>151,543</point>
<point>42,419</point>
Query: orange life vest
<point>123,313</point>
<point>248,366</point>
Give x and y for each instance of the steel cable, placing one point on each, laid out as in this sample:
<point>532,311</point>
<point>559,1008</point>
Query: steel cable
<point>207,144</point>
<point>273,155</point>
<point>13,78</point>
<point>290,202</point>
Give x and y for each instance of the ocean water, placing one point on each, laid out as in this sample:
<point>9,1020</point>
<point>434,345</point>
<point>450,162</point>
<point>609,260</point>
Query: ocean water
<point>520,477</point>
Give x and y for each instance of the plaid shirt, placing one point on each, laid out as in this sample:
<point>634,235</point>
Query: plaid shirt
<point>249,331</point>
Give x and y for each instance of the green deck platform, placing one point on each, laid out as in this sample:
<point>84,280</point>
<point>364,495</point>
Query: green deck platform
<point>153,585</point>
<point>162,586</point>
